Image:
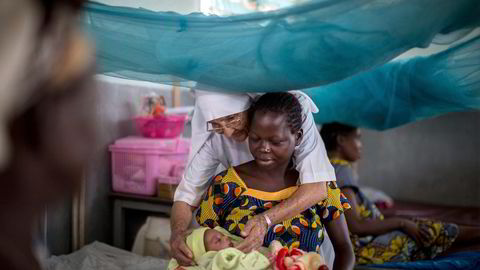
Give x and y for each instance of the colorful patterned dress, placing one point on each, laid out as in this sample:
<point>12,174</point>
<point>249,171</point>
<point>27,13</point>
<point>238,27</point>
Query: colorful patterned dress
<point>395,246</point>
<point>229,203</point>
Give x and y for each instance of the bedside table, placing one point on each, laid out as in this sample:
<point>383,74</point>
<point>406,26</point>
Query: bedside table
<point>124,203</point>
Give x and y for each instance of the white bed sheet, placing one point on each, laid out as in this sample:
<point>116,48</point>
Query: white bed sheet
<point>100,256</point>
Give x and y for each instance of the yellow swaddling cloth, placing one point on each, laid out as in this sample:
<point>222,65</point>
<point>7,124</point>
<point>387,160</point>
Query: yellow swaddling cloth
<point>226,259</point>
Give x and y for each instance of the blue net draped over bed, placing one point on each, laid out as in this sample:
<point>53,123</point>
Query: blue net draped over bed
<point>312,44</point>
<point>455,261</point>
<point>405,91</point>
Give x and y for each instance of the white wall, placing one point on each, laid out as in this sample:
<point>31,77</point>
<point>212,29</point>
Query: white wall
<point>431,161</point>
<point>180,6</point>
<point>435,48</point>
<point>120,103</point>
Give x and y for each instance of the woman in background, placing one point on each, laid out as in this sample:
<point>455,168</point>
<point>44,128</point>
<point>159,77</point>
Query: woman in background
<point>377,239</point>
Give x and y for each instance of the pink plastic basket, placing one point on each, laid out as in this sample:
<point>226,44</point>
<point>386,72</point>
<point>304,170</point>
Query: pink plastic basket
<point>165,126</point>
<point>138,163</point>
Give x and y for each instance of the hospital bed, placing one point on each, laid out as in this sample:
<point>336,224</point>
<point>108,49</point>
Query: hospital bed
<point>99,256</point>
<point>102,256</point>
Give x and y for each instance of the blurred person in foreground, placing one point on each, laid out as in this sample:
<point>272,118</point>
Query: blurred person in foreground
<point>47,106</point>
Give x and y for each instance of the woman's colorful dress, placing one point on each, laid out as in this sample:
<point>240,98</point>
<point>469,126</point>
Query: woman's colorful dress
<point>229,203</point>
<point>395,246</point>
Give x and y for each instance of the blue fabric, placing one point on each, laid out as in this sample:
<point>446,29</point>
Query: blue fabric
<point>401,92</point>
<point>456,261</point>
<point>337,46</point>
<point>314,43</point>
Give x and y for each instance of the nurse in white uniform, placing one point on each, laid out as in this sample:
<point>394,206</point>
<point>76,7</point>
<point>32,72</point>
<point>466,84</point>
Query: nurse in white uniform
<point>219,138</point>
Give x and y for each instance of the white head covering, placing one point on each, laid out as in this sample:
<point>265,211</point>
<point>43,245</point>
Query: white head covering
<point>213,105</point>
<point>209,106</point>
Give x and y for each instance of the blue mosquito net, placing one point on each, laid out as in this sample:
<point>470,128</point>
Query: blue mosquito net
<point>319,43</point>
<point>405,91</point>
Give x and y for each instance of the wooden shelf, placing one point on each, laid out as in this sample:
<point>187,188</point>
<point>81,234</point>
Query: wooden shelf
<point>124,203</point>
<point>151,199</point>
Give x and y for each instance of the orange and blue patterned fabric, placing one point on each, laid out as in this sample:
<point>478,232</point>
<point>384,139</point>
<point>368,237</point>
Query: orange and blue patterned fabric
<point>229,203</point>
<point>395,246</point>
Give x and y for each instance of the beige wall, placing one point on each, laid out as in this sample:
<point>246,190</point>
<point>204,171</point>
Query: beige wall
<point>433,161</point>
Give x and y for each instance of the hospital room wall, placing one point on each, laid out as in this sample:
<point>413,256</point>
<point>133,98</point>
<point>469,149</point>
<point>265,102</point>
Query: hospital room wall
<point>435,161</point>
<point>120,100</point>
<point>119,104</point>
<point>431,161</point>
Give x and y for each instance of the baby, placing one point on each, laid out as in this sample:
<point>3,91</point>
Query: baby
<point>214,240</point>
<point>213,249</point>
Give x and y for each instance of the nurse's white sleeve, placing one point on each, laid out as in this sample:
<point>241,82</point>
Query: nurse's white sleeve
<point>196,177</point>
<point>310,156</point>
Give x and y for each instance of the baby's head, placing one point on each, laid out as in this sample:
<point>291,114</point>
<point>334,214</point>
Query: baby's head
<point>215,240</point>
<point>204,239</point>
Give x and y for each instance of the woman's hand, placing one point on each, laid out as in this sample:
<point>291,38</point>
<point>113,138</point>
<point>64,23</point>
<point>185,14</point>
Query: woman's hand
<point>419,234</point>
<point>179,249</point>
<point>254,231</point>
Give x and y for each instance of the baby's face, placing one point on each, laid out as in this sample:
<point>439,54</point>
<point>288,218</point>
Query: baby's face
<point>215,240</point>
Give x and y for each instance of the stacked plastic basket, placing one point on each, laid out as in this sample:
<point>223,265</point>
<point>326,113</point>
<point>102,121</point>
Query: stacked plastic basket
<point>152,164</point>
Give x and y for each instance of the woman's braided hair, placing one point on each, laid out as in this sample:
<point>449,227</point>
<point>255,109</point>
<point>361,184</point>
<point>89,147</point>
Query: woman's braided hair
<point>282,103</point>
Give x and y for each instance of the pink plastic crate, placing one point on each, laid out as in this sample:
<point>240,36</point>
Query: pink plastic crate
<point>174,176</point>
<point>138,163</point>
<point>165,126</point>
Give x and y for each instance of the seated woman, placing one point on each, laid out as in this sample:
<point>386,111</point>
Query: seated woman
<point>377,239</point>
<point>219,138</point>
<point>242,192</point>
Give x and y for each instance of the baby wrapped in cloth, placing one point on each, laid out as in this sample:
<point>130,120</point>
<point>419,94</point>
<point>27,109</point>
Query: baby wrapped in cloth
<point>213,250</point>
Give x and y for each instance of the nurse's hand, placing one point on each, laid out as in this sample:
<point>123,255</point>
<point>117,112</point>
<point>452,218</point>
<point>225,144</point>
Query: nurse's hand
<point>179,249</point>
<point>254,231</point>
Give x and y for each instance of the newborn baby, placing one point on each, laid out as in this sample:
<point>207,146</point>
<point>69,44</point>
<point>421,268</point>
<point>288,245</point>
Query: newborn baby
<point>214,240</point>
<point>213,249</point>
